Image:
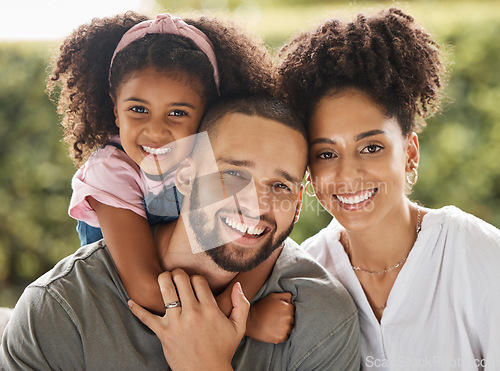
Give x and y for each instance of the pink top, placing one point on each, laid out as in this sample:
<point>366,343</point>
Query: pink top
<point>111,177</point>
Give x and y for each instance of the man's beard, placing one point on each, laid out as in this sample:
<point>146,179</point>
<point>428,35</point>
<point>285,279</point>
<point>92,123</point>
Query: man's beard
<point>225,255</point>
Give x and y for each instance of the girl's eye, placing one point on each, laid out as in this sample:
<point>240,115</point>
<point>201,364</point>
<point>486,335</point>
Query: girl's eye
<point>178,113</point>
<point>139,109</point>
<point>372,148</point>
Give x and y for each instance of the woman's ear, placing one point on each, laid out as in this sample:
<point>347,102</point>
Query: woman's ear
<point>299,205</point>
<point>412,152</point>
<point>184,176</point>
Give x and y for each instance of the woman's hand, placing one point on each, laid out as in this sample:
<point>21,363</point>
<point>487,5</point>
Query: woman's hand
<point>196,335</point>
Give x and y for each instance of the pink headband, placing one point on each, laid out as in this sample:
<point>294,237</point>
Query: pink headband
<point>166,24</point>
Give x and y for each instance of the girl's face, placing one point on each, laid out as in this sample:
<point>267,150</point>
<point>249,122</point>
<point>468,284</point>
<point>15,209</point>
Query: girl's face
<point>157,113</point>
<point>358,160</point>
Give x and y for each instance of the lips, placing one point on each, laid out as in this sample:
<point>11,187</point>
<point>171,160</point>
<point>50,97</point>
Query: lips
<point>240,227</point>
<point>245,235</point>
<point>157,151</point>
<point>356,200</point>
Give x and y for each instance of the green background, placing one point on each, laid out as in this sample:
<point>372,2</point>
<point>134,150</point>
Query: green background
<point>459,148</point>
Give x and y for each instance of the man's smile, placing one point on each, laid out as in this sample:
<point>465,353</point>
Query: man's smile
<point>242,233</point>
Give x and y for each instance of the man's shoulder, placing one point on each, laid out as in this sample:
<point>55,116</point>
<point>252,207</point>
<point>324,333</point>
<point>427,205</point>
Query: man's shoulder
<point>296,270</point>
<point>295,261</point>
<point>326,329</point>
<point>92,255</point>
<point>71,316</point>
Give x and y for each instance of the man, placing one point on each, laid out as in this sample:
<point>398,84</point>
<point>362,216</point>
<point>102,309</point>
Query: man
<point>76,316</point>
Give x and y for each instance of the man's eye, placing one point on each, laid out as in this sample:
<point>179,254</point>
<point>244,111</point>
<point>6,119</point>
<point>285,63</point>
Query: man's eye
<point>178,113</point>
<point>283,187</point>
<point>372,148</point>
<point>139,109</point>
<point>235,173</point>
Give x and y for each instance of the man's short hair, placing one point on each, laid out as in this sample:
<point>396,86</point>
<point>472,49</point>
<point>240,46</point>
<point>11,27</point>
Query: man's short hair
<point>264,106</point>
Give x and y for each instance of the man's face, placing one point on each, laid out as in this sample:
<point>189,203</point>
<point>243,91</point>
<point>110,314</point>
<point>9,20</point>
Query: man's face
<point>260,165</point>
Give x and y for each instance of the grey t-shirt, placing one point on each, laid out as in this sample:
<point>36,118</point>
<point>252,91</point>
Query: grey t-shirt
<point>76,317</point>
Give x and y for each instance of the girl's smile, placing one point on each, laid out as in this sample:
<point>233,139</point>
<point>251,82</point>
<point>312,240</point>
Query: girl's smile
<point>155,111</point>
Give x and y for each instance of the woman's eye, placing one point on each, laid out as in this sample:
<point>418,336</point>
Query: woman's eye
<point>139,109</point>
<point>372,148</point>
<point>178,113</point>
<point>326,155</point>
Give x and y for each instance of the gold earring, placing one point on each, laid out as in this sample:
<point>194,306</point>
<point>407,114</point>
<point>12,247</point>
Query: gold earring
<point>409,176</point>
<point>313,194</point>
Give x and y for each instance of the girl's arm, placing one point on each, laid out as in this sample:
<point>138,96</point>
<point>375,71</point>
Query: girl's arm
<point>130,241</point>
<point>271,319</point>
<point>250,281</point>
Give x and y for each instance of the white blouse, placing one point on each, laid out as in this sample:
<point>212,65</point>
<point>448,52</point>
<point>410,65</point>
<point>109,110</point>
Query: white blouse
<point>443,312</point>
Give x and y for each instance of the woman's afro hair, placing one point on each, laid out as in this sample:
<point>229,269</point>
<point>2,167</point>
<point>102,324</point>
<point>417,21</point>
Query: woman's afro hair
<point>386,56</point>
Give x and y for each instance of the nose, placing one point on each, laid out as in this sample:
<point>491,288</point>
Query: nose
<point>157,129</point>
<point>348,171</point>
<point>250,201</point>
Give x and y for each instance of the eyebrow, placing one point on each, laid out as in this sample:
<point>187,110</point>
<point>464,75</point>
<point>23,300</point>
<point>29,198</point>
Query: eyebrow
<point>322,140</point>
<point>370,133</point>
<point>251,164</point>
<point>231,161</point>
<point>288,177</point>
<point>364,135</point>
<point>177,104</point>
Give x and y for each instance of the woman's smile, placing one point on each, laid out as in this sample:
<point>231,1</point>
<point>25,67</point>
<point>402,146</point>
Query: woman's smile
<point>356,200</point>
<point>357,160</point>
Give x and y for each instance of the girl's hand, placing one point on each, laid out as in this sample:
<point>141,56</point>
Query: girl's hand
<point>271,319</point>
<point>187,332</point>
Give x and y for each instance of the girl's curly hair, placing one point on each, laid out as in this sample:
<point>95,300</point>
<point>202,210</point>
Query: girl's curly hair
<point>82,71</point>
<point>386,56</point>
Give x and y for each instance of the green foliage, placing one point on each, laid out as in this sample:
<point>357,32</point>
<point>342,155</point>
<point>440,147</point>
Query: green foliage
<point>459,148</point>
<point>35,230</point>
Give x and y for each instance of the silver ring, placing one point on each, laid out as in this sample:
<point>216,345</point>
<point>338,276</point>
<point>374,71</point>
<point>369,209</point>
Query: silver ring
<point>173,304</point>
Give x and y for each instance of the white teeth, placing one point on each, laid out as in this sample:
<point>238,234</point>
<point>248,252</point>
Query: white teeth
<point>243,228</point>
<point>254,230</point>
<point>356,199</point>
<point>157,151</point>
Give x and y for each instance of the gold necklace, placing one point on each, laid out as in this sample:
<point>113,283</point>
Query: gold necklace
<point>399,263</point>
<point>418,229</point>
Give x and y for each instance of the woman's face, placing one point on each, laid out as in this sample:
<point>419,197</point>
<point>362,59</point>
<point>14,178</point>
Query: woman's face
<point>358,160</point>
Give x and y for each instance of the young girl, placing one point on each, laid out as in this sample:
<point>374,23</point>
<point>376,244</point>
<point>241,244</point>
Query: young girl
<point>425,281</point>
<point>137,89</point>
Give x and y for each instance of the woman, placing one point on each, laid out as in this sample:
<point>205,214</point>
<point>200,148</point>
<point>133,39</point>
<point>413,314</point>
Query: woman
<point>426,282</point>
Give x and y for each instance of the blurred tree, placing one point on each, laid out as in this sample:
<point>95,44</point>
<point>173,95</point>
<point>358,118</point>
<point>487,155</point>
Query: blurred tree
<point>460,146</point>
<point>35,230</point>
<point>233,4</point>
